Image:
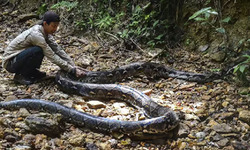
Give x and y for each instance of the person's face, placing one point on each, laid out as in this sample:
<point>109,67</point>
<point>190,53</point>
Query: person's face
<point>50,28</point>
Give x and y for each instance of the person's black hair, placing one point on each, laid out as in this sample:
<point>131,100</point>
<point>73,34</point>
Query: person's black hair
<point>49,17</point>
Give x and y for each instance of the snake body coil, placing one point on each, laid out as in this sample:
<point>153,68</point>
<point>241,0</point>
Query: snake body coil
<point>162,120</point>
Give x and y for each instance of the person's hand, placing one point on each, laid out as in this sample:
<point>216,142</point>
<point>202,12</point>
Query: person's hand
<point>81,72</point>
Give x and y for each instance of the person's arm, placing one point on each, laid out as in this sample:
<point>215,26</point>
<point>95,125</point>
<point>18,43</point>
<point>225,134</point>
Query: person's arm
<point>58,50</point>
<point>37,39</point>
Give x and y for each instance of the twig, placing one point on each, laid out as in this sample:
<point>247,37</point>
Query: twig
<point>5,4</point>
<point>112,36</point>
<point>137,45</point>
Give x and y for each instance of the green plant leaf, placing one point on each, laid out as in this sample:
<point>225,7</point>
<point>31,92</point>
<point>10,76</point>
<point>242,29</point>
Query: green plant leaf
<point>159,37</point>
<point>242,68</point>
<point>236,69</point>
<point>221,30</point>
<point>226,20</point>
<point>212,12</point>
<point>199,13</point>
<point>246,56</point>
<point>155,23</point>
<point>199,19</point>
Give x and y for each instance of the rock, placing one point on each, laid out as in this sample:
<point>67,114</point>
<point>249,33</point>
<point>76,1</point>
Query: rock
<point>191,117</point>
<point>218,55</point>
<point>182,145</point>
<point>45,124</point>
<point>244,116</point>
<point>22,147</point>
<point>225,115</point>
<point>206,97</point>
<point>96,104</point>
<point>10,98</point>
<point>200,135</point>
<point>2,89</point>
<point>243,90</point>
<point>202,143</point>
<point>11,136</point>
<point>23,112</point>
<point>29,138</point>
<point>107,113</point>
<point>182,87</point>
<point>222,128</point>
<point>217,137</point>
<point>212,123</point>
<point>127,141</point>
<point>225,104</point>
<point>1,132</point>
<point>63,95</point>
<point>98,112</point>
<point>123,111</point>
<point>25,17</point>
<point>183,131</point>
<point>119,105</point>
<point>240,145</point>
<point>105,145</point>
<point>232,135</point>
<point>228,148</point>
<point>84,61</point>
<point>223,142</point>
<point>91,146</point>
<point>77,140</point>
<point>22,125</point>
<point>203,48</point>
<point>113,142</point>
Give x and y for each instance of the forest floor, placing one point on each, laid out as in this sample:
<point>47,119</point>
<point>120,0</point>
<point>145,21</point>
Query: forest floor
<point>215,115</point>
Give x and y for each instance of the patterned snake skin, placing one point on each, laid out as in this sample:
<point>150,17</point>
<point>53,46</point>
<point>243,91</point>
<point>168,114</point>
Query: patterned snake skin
<point>162,119</point>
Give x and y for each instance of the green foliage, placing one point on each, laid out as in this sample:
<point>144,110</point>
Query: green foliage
<point>226,20</point>
<point>106,22</point>
<point>65,5</point>
<point>42,9</point>
<point>242,70</point>
<point>145,22</point>
<point>205,13</point>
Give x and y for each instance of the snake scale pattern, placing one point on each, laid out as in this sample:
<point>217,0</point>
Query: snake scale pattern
<point>96,85</point>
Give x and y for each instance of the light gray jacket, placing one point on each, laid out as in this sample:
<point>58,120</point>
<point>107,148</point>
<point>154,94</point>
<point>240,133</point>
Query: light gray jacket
<point>35,36</point>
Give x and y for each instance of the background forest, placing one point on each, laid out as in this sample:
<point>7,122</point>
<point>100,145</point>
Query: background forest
<point>216,27</point>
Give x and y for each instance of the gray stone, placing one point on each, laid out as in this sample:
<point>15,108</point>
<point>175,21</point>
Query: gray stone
<point>200,135</point>
<point>217,137</point>
<point>222,128</point>
<point>218,55</point>
<point>203,48</point>
<point>96,104</point>
<point>22,147</point>
<point>244,115</point>
<point>223,142</point>
<point>77,140</point>
<point>49,125</point>
<point>23,112</point>
<point>10,98</point>
<point>183,131</point>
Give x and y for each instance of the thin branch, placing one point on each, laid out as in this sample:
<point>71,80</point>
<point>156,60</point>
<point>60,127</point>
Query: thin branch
<point>112,36</point>
<point>137,45</point>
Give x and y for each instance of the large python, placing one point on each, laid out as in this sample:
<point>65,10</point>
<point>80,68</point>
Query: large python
<point>161,120</point>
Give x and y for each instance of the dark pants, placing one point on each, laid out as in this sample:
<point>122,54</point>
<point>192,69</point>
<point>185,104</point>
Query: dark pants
<point>26,62</point>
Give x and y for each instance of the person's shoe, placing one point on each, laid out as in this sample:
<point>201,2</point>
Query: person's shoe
<point>23,80</point>
<point>38,74</point>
